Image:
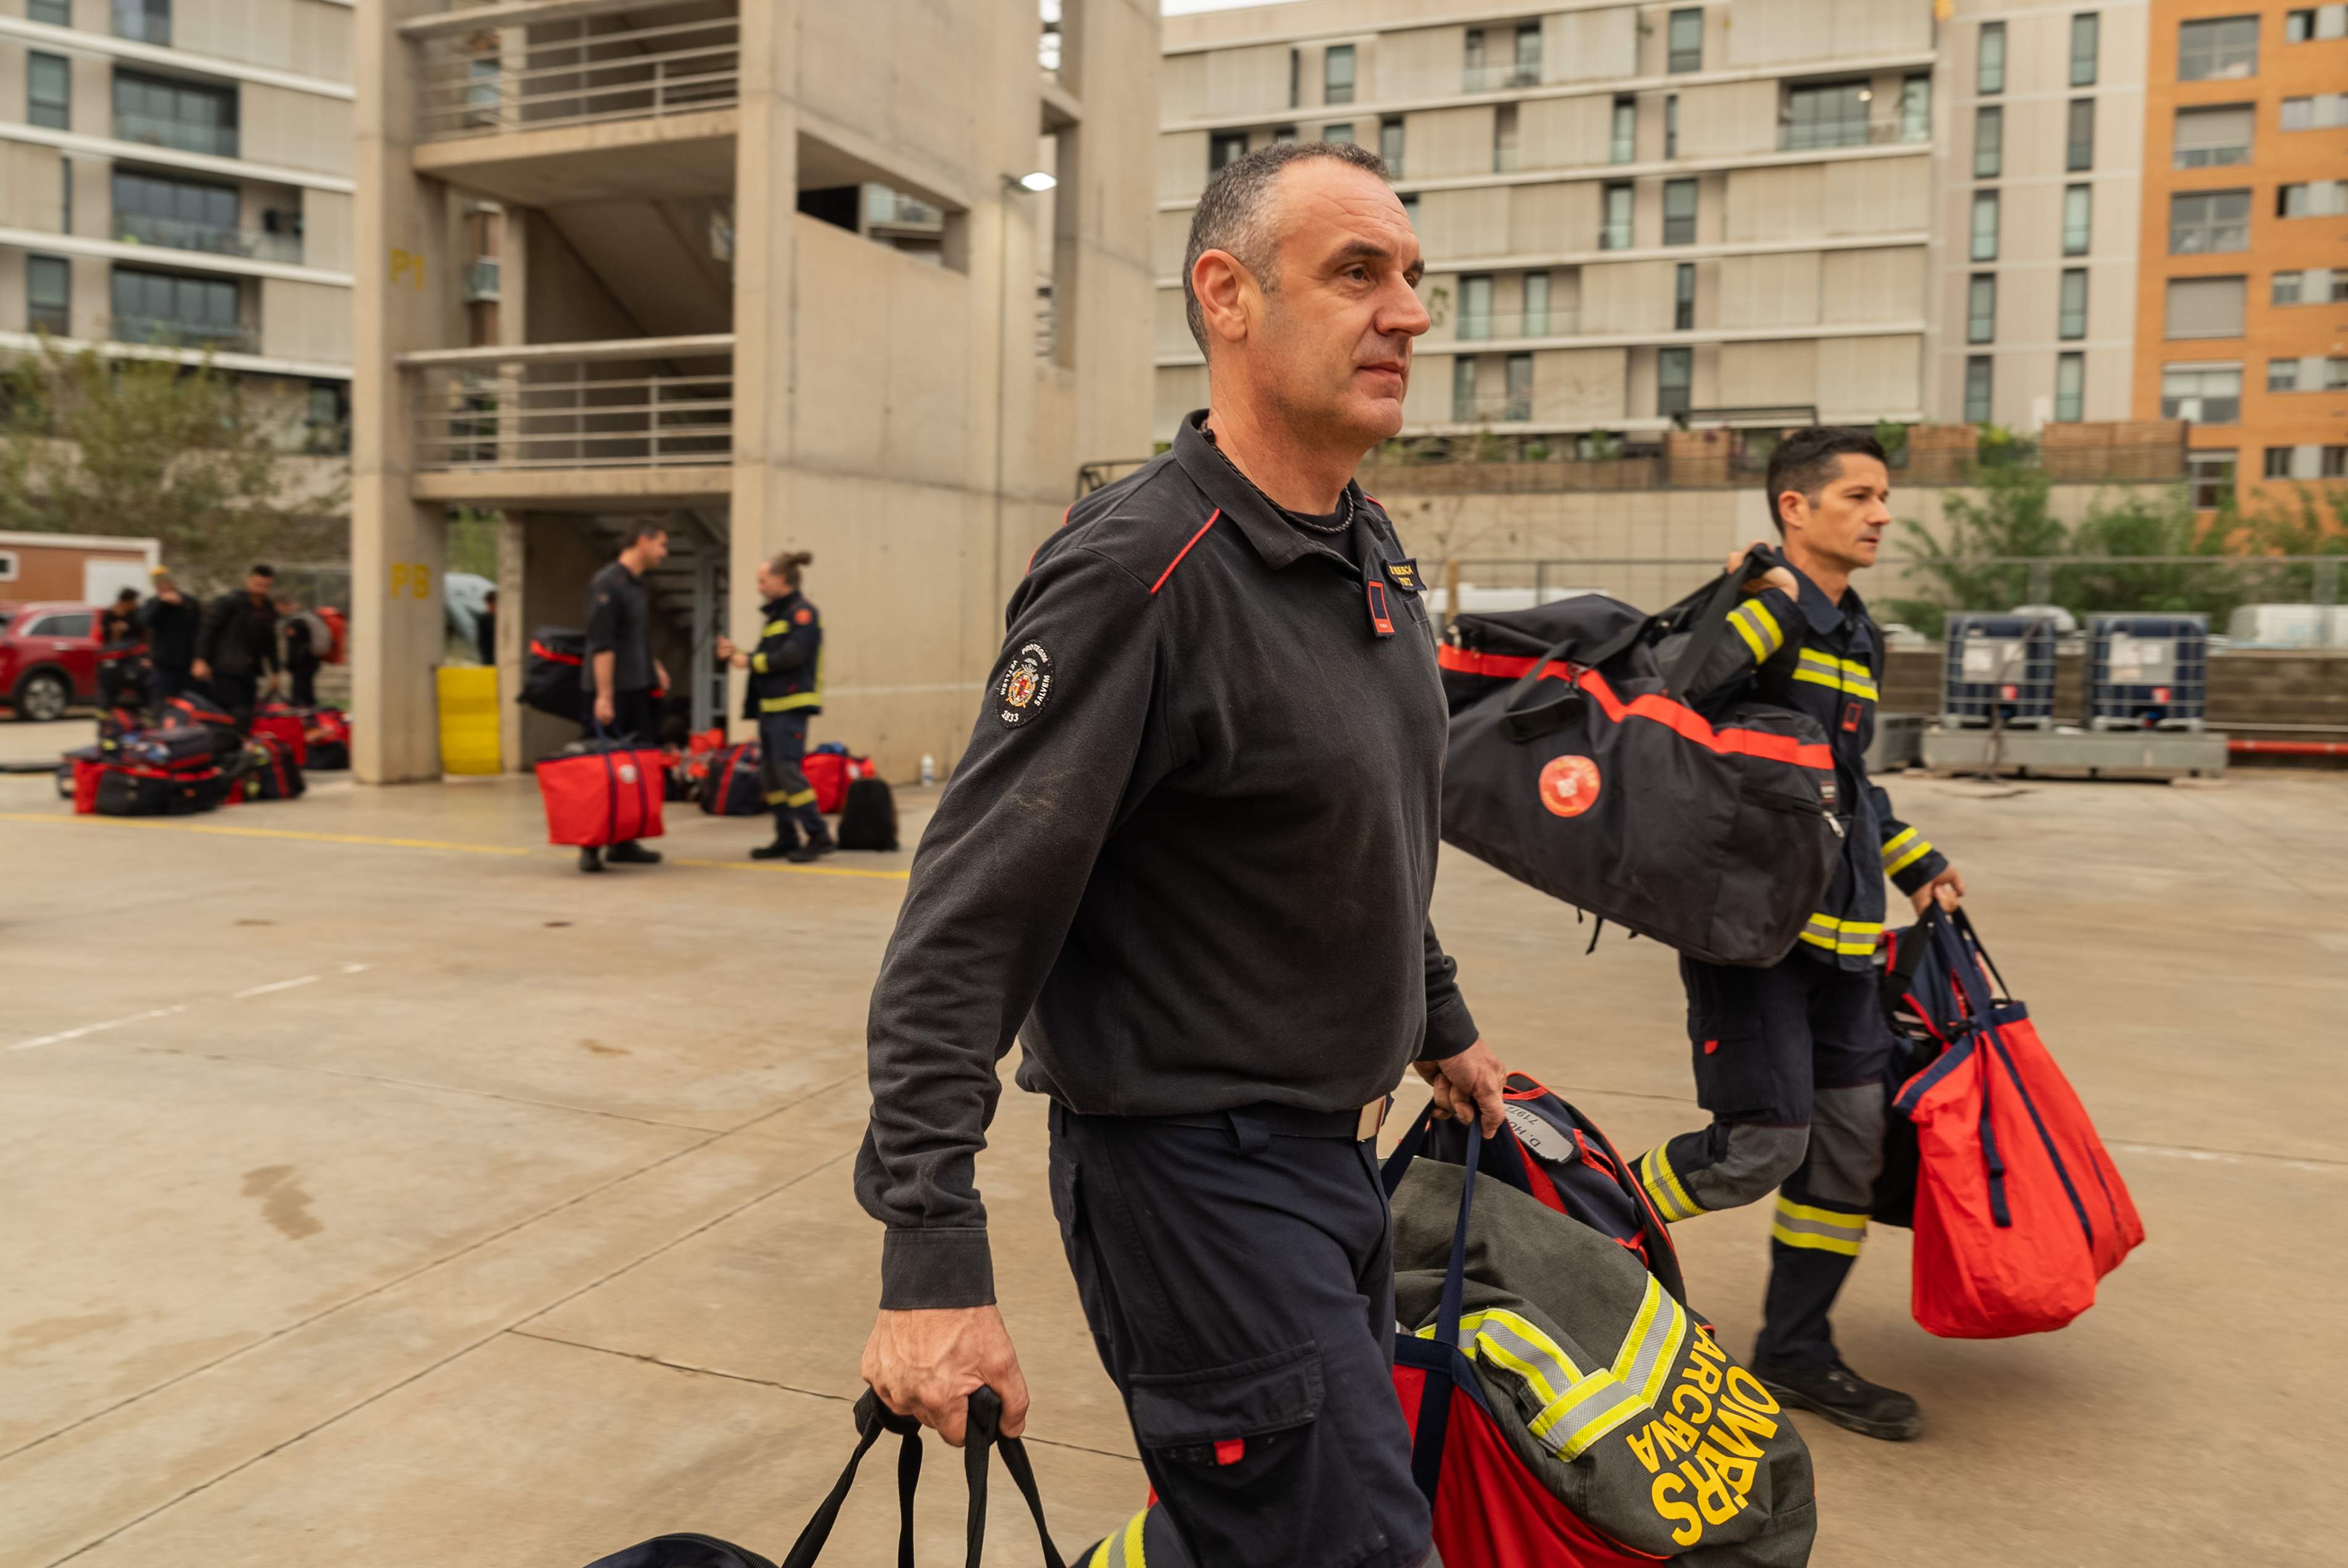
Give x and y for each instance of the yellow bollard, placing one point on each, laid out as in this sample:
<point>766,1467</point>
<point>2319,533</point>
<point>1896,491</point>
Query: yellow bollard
<point>469,719</point>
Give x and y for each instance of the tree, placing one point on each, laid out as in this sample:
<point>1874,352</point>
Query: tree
<point>2010,518</point>
<point>145,447</point>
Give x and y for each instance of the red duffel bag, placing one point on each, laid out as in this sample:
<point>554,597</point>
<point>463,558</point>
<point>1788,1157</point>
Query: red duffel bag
<point>829,770</point>
<point>286,724</point>
<point>600,792</point>
<point>2019,1210</point>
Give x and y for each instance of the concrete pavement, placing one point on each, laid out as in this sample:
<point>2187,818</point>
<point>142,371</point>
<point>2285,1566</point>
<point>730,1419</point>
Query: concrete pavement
<point>383,1190</point>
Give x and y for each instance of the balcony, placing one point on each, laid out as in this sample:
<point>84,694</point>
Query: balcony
<point>472,86</point>
<point>186,234</point>
<point>1497,78</point>
<point>167,332</point>
<point>1485,325</point>
<point>180,135</point>
<point>649,403</point>
<point>1809,136</point>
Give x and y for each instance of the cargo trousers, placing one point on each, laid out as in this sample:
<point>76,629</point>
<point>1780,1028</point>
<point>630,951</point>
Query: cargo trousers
<point>1239,1283</point>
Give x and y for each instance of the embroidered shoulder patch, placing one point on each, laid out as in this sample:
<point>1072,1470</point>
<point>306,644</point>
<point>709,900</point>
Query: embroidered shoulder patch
<point>1405,574</point>
<point>1024,686</point>
<point>803,617</point>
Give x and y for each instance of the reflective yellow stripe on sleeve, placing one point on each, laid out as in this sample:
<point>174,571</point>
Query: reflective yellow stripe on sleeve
<point>785,704</point>
<point>1663,1188</point>
<point>1759,628</point>
<point>1904,851</point>
<point>774,629</point>
<point>759,662</point>
<point>1818,1230</point>
<point>1854,936</point>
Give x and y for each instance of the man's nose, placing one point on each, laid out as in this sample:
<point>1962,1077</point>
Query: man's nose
<point>1403,312</point>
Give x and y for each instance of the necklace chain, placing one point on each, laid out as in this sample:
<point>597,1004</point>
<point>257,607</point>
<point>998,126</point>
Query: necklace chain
<point>1343,524</point>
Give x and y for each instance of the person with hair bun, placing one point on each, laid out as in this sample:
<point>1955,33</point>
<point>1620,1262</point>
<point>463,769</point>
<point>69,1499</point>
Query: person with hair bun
<point>786,690</point>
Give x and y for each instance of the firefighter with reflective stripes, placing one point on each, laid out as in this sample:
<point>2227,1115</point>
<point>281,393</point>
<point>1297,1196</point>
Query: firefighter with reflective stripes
<point>1790,1059</point>
<point>786,690</point>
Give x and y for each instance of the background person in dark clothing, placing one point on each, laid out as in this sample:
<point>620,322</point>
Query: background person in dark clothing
<point>120,640</point>
<point>302,658</point>
<point>485,629</point>
<point>786,690</point>
<point>237,645</point>
<point>620,672</point>
<point>171,622</point>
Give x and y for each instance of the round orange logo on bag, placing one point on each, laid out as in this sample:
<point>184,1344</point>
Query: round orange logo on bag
<point>1568,785</point>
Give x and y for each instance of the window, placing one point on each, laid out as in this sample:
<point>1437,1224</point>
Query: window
<point>1296,77</point>
<point>2207,307</point>
<point>2220,48</point>
<point>2079,219</point>
<point>1337,74</point>
<point>1683,298</point>
<point>1504,139</point>
<point>48,295</point>
<point>1989,141</point>
<point>1225,147</point>
<point>1390,145</point>
<point>2312,199</point>
<point>164,112</point>
<point>1981,308</point>
<point>167,307</point>
<point>2210,473</point>
<point>1916,109</point>
<point>1675,378</point>
<point>2333,463</point>
<point>327,427</point>
<point>2316,373</point>
<point>1536,322</point>
<point>1410,207</point>
<point>1988,69</point>
<point>1686,41</point>
<point>65,195</point>
<point>1521,388</point>
<point>49,92</point>
<point>148,21</point>
<point>2070,387</point>
<point>2205,393</point>
<point>1678,212</point>
<point>2282,375</point>
<point>1528,55</point>
<point>2278,463</point>
<point>1476,306</point>
<point>188,214</point>
<point>1474,63</point>
<point>1463,390</point>
<point>2079,142</point>
<point>2323,111</point>
<point>2312,285</point>
<point>2313,22</point>
<point>2083,31</point>
<point>1614,218</point>
<point>69,625</point>
<point>2206,222</point>
<point>2213,138</point>
<point>1624,142</point>
<point>1341,132</point>
<point>1282,133</point>
<point>1984,226</point>
<point>1977,388</point>
<point>55,13</point>
<point>2071,309</point>
<point>1670,125</point>
<point>1824,114</point>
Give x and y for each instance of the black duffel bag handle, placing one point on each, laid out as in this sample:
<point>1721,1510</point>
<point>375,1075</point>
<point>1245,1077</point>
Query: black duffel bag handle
<point>1522,721</point>
<point>984,1432</point>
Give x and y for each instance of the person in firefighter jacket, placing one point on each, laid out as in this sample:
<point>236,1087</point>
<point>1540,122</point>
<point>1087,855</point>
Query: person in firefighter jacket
<point>1789,1059</point>
<point>786,690</point>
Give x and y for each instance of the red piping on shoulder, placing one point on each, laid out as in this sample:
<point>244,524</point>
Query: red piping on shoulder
<point>1162,576</point>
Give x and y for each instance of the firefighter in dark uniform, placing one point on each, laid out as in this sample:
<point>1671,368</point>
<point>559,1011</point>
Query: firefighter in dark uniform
<point>1187,860</point>
<point>786,690</point>
<point>1790,1059</point>
<point>619,675</point>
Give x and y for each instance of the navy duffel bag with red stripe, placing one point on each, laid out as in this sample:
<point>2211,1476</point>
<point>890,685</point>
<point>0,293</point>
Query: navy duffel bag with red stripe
<point>1575,766</point>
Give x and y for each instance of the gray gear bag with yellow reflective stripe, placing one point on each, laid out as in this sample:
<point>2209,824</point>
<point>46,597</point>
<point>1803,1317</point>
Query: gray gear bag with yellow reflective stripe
<point>1609,1389</point>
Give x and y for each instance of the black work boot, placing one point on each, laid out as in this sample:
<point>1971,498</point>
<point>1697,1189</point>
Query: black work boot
<point>590,858</point>
<point>632,853</point>
<point>777,850</point>
<point>814,848</point>
<point>1846,1399</point>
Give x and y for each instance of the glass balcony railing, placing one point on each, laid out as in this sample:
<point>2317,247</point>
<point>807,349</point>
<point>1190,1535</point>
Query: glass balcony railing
<point>1495,79</point>
<point>186,234</point>
<point>1483,326</point>
<point>233,337</point>
<point>180,135</point>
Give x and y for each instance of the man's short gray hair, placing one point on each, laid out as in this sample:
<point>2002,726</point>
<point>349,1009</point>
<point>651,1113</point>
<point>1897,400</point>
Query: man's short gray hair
<point>1235,213</point>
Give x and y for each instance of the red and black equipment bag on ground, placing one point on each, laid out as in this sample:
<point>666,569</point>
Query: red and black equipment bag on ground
<point>189,748</point>
<point>2019,1210</point>
<point>326,743</point>
<point>551,676</point>
<point>189,711</point>
<point>115,723</point>
<point>830,768</point>
<point>1577,765</point>
<point>288,724</point>
<point>269,772</point>
<point>127,790</point>
<point>602,791</point>
<point>730,786</point>
<point>1568,1409</point>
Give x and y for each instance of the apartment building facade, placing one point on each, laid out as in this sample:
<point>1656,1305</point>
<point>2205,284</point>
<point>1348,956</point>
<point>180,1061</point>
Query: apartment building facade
<point>2037,216</point>
<point>1629,211</point>
<point>176,179</point>
<point>2241,320</point>
<point>870,281</point>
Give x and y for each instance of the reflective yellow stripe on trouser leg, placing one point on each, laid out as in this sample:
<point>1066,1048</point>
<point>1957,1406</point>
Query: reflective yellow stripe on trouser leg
<point>1121,1548</point>
<point>1819,1230</point>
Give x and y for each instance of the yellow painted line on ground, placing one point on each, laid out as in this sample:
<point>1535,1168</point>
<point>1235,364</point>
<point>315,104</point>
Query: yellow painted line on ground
<point>170,825</point>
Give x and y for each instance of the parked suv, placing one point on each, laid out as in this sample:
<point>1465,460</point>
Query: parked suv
<point>48,658</point>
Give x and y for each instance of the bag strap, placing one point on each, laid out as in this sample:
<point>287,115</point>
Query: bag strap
<point>1982,1026</point>
<point>984,1432</point>
<point>1964,924</point>
<point>1712,621</point>
<point>1435,1392</point>
<point>1907,957</point>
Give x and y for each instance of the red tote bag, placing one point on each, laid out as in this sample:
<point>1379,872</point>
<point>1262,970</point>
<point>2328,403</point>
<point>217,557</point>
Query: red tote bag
<point>607,794</point>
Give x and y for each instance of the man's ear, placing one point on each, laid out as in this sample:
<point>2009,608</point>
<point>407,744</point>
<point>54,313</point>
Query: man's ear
<point>1222,286</point>
<point>1793,511</point>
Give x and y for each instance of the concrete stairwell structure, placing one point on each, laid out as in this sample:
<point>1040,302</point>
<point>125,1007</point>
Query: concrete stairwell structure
<point>767,272</point>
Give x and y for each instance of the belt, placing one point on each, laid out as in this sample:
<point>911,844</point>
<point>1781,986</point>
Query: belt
<point>1286,1120</point>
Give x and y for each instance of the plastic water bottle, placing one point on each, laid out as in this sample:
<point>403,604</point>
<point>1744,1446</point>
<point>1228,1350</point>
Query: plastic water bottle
<point>928,769</point>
